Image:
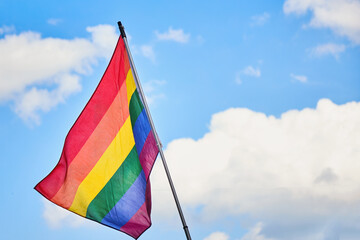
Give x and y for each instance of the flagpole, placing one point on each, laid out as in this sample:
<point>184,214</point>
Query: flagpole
<point>158,143</point>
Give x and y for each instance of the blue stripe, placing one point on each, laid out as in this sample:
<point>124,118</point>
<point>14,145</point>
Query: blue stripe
<point>141,130</point>
<point>128,205</point>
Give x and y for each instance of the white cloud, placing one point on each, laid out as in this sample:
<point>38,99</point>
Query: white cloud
<point>255,233</point>
<point>103,39</point>
<point>176,35</point>
<point>7,29</point>
<point>35,99</point>
<point>57,217</point>
<point>341,16</point>
<point>259,20</point>
<point>238,79</point>
<point>328,49</point>
<point>298,174</point>
<point>299,78</point>
<point>217,236</point>
<point>152,92</point>
<point>327,176</point>
<point>251,71</point>
<point>148,52</point>
<point>38,73</point>
<point>54,21</point>
<point>248,71</point>
<point>145,50</point>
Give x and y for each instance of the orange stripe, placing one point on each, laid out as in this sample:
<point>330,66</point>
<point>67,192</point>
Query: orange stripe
<point>88,120</point>
<point>94,148</point>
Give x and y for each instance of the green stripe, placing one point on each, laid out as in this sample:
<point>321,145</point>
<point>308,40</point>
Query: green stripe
<point>115,188</point>
<point>123,178</point>
<point>135,107</point>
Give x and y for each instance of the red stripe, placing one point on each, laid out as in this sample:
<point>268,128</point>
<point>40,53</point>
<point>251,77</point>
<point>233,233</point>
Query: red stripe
<point>93,149</point>
<point>88,120</point>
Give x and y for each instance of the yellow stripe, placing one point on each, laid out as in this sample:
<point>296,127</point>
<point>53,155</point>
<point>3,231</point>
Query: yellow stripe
<point>130,85</point>
<point>104,169</point>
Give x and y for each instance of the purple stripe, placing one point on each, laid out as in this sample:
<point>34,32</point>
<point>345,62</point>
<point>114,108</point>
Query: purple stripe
<point>128,205</point>
<point>148,154</point>
<point>141,220</point>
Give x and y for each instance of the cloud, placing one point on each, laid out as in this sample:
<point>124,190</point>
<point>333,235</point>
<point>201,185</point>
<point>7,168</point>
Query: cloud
<point>151,89</point>
<point>251,71</point>
<point>297,174</point>
<point>7,29</point>
<point>328,49</point>
<point>103,39</point>
<point>176,35</point>
<point>255,233</point>
<point>35,99</point>
<point>326,176</point>
<point>57,217</point>
<point>238,79</point>
<point>217,236</point>
<point>144,50</point>
<point>299,78</point>
<point>36,73</point>
<point>259,20</point>
<point>148,52</point>
<point>54,21</point>
<point>248,71</point>
<point>341,16</point>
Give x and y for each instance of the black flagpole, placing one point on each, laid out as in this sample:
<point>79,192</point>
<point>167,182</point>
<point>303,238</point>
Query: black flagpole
<point>158,143</point>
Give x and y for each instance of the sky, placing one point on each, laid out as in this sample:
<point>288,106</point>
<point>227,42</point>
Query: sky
<point>257,105</point>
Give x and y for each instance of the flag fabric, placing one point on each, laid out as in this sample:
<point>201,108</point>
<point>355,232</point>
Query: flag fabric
<point>108,154</point>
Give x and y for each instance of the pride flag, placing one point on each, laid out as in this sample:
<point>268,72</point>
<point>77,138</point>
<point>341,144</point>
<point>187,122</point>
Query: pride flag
<point>103,171</point>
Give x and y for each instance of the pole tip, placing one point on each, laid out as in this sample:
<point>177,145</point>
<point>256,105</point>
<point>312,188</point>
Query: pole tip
<point>122,29</point>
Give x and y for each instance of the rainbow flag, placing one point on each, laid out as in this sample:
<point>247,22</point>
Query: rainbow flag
<point>108,154</point>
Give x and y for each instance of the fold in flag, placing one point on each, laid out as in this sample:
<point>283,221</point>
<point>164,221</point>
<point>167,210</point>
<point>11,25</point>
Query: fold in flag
<point>108,154</point>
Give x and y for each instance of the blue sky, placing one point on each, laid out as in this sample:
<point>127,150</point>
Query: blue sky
<point>257,104</point>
